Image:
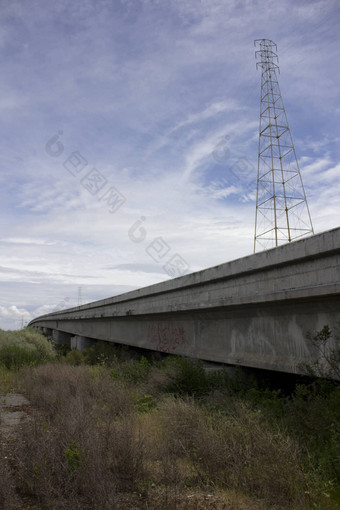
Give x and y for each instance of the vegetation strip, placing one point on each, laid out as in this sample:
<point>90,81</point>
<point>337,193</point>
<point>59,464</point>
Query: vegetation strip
<point>161,433</point>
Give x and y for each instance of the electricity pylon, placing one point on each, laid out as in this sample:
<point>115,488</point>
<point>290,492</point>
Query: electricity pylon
<point>282,213</point>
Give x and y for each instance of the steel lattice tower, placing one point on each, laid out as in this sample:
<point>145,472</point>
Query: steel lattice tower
<point>282,213</point>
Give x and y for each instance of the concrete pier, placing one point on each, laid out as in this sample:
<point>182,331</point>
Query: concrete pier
<point>61,338</point>
<point>81,342</point>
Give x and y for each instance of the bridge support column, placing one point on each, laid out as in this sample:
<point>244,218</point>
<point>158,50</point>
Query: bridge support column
<point>81,342</point>
<point>61,338</point>
<point>48,332</point>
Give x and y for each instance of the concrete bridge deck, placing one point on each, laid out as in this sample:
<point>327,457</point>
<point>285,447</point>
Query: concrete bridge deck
<point>255,311</point>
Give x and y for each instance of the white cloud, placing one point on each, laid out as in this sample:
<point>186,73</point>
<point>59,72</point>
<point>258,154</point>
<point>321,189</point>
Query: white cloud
<point>210,111</point>
<point>12,317</point>
<point>315,166</point>
<point>13,312</point>
<point>31,241</point>
<point>332,174</point>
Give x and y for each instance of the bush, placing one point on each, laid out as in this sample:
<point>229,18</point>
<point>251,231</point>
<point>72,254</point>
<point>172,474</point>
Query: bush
<point>187,377</point>
<point>24,347</point>
<point>236,451</point>
<point>59,389</point>
<point>132,371</point>
<point>312,415</point>
<point>108,354</point>
<point>87,432</point>
<point>327,362</point>
<point>75,357</point>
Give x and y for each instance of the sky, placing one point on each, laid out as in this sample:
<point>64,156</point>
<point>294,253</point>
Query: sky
<point>129,138</point>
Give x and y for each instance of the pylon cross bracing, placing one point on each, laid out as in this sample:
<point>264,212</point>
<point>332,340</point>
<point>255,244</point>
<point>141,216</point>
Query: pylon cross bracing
<point>282,213</point>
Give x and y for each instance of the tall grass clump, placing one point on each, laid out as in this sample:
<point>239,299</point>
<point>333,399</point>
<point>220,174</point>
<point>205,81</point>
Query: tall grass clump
<point>7,380</point>
<point>312,416</point>
<point>24,347</point>
<point>235,451</point>
<point>86,446</point>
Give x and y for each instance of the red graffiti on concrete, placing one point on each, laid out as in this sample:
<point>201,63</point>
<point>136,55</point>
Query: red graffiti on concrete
<point>166,336</point>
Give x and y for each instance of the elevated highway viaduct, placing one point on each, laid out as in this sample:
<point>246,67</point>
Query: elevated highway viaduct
<point>255,311</point>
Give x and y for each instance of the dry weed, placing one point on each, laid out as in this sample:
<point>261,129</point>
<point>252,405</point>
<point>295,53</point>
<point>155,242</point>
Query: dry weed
<point>236,452</point>
<point>91,447</point>
<point>8,497</point>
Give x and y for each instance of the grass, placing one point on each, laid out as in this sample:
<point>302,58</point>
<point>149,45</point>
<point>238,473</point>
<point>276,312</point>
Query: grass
<point>7,380</point>
<point>162,433</point>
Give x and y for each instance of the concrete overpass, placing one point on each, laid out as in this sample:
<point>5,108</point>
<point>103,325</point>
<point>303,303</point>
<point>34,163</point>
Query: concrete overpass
<point>255,311</point>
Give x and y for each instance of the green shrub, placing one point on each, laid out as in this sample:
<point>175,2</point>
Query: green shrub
<point>145,403</point>
<point>187,377</point>
<point>74,456</point>
<point>312,415</point>
<point>24,347</point>
<point>106,353</point>
<point>132,371</point>
<point>327,362</point>
<point>61,350</point>
<point>75,357</point>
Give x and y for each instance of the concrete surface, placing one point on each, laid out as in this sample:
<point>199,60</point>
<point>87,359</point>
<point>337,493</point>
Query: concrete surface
<point>13,412</point>
<point>255,311</point>
<point>80,342</point>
